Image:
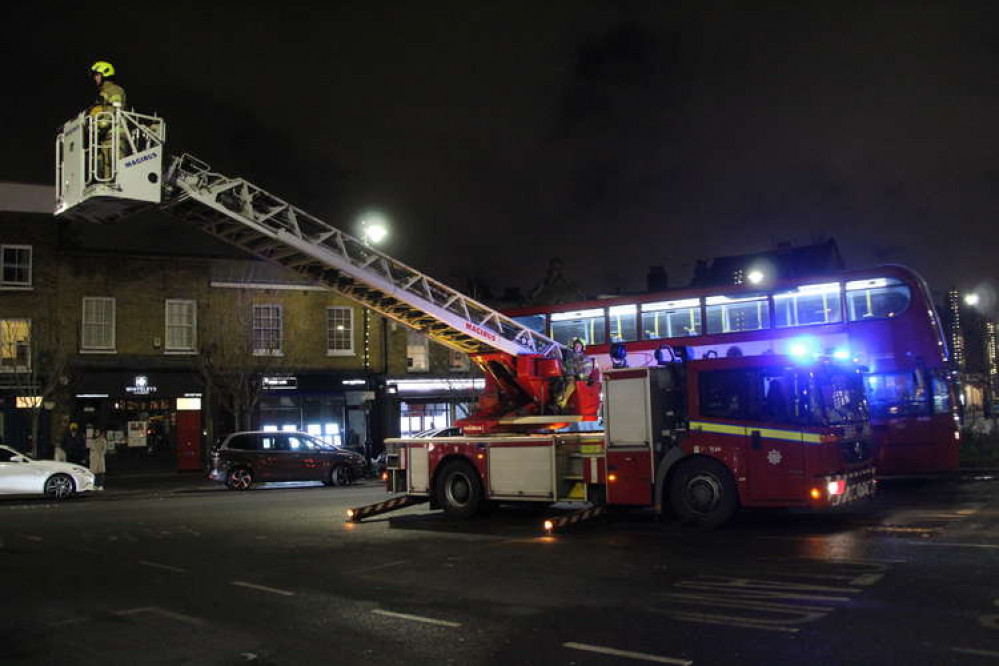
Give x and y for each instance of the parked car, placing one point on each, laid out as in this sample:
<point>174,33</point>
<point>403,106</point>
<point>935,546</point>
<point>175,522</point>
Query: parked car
<point>247,457</point>
<point>22,475</point>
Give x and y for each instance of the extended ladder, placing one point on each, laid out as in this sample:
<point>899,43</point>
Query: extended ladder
<point>109,166</point>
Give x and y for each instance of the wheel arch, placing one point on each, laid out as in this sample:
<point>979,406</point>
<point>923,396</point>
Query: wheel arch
<point>443,462</point>
<point>670,463</point>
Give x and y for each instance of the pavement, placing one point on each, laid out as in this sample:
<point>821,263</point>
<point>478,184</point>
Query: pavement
<point>192,574</point>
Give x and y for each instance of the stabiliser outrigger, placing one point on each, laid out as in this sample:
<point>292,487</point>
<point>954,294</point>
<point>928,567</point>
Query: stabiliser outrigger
<point>697,437</point>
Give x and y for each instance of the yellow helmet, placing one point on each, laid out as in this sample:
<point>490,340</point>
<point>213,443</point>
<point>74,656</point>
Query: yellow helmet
<point>103,68</point>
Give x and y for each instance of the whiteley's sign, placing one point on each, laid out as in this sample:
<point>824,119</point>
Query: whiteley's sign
<point>140,386</point>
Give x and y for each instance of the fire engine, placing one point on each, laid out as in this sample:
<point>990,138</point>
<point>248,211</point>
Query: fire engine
<point>697,438</point>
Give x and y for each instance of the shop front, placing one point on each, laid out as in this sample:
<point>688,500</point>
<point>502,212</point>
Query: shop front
<point>152,421</point>
<point>433,403</point>
<point>334,407</point>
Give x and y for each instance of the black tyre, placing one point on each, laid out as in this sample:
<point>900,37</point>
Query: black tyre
<point>459,490</point>
<point>60,486</point>
<point>340,476</point>
<point>239,478</point>
<point>702,493</point>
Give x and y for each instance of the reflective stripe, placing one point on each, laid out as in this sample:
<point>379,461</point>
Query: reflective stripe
<point>591,449</point>
<point>765,433</point>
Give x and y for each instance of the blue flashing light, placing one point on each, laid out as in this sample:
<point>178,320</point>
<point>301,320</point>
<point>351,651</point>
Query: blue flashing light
<point>799,349</point>
<point>841,354</point>
<point>804,349</point>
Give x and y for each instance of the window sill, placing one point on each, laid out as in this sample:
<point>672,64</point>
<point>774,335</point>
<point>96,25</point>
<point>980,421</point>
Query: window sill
<point>16,287</point>
<point>180,352</point>
<point>338,352</point>
<point>98,351</point>
<point>264,352</point>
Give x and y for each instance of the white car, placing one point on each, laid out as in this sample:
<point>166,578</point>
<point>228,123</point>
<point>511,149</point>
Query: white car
<point>22,475</point>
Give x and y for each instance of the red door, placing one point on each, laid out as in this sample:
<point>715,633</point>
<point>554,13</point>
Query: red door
<point>189,441</point>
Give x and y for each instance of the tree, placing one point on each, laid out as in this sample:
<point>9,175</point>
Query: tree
<point>35,364</point>
<point>234,356</point>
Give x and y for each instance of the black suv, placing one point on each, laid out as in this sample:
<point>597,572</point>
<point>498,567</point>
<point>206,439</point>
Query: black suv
<point>246,457</point>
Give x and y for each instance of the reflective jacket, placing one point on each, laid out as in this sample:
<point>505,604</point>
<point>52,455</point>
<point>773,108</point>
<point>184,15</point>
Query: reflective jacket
<point>110,95</point>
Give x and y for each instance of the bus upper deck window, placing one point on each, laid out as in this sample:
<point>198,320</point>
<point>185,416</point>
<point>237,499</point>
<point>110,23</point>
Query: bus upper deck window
<point>623,323</point>
<point>671,319</point>
<point>587,325</point>
<point>809,304</point>
<point>877,298</point>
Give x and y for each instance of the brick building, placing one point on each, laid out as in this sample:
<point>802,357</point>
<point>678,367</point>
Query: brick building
<point>162,335</point>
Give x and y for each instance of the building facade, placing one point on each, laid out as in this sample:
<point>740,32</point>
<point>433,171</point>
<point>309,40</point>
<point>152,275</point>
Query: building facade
<point>170,349</point>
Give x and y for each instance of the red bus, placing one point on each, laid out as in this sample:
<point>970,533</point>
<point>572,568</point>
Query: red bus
<point>882,318</point>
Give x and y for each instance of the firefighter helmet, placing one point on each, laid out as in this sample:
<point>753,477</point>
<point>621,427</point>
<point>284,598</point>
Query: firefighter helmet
<point>104,68</point>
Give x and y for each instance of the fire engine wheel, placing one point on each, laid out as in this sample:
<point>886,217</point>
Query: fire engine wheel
<point>459,490</point>
<point>703,494</point>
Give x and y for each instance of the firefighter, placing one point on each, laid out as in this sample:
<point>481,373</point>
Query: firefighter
<point>573,369</point>
<point>110,96</point>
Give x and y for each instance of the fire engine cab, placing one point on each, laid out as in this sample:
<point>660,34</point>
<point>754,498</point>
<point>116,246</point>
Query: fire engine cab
<point>699,439</point>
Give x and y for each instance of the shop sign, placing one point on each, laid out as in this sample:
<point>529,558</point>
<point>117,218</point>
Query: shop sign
<point>140,386</point>
<point>277,383</point>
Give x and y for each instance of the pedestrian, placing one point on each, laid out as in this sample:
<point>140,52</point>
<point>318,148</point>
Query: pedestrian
<point>110,97</point>
<point>74,446</point>
<point>98,449</point>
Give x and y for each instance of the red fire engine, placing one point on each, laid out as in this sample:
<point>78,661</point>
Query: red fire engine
<point>700,438</point>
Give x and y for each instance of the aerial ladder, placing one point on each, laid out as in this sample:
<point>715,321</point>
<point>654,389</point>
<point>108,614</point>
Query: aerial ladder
<point>111,165</point>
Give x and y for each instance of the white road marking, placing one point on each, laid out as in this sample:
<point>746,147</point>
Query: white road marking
<point>162,612</point>
<point>975,651</point>
<point>416,618</point>
<point>32,537</point>
<point>628,654</point>
<point>376,567</point>
<point>167,567</point>
<point>262,588</point>
<point>952,544</point>
<point>67,622</point>
<point>704,618</point>
<point>867,579</point>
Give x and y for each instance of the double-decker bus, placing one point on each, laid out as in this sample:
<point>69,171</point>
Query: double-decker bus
<point>883,318</point>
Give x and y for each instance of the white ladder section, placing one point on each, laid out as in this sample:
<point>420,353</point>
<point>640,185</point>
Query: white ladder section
<point>246,216</point>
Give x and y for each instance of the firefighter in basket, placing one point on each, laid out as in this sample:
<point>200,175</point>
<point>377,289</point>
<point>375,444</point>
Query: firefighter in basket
<point>110,97</point>
<point>574,368</point>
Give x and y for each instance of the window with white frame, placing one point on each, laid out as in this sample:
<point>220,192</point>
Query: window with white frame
<point>181,321</point>
<point>267,330</point>
<point>458,361</point>
<point>417,352</point>
<point>15,265</point>
<point>339,331</point>
<point>98,332</point>
<point>15,345</point>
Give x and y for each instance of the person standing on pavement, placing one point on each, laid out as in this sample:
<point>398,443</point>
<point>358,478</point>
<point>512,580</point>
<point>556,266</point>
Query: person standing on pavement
<point>74,446</point>
<point>98,449</point>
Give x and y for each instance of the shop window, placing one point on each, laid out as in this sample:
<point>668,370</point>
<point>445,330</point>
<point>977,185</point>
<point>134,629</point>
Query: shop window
<point>181,325</point>
<point>587,325</point>
<point>878,298</point>
<point>729,315</point>
<point>15,345</point>
<point>417,352</point>
<point>98,334</point>
<point>623,323</point>
<point>809,304</point>
<point>267,330</point>
<point>671,319</point>
<point>340,331</point>
<point>15,266</point>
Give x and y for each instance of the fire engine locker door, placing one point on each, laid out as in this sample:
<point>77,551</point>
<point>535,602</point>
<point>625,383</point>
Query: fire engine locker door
<point>189,441</point>
<point>629,439</point>
<point>776,459</point>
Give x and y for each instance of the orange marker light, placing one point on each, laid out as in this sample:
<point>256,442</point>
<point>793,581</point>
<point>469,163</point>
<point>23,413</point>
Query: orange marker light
<point>480,456</point>
<point>549,526</point>
<point>350,514</point>
<point>612,477</point>
<point>816,493</point>
<point>384,476</point>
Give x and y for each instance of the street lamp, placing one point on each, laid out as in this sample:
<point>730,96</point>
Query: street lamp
<point>972,299</point>
<point>755,276</point>
<point>374,228</point>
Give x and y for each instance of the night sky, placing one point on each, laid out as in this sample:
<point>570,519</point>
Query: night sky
<point>613,134</point>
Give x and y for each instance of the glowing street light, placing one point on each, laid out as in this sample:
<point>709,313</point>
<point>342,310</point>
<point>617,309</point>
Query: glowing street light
<point>755,276</point>
<point>374,228</point>
<point>972,299</point>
